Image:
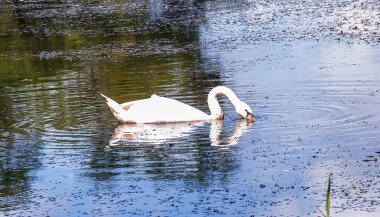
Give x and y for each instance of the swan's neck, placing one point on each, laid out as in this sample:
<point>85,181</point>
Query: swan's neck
<point>213,104</point>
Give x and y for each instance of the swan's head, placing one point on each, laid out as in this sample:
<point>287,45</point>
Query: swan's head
<point>244,111</point>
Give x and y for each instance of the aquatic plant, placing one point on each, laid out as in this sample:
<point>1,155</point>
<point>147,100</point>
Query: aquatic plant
<point>328,197</point>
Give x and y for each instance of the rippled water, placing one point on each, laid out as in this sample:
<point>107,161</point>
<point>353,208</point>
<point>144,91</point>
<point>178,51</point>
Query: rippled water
<point>310,71</point>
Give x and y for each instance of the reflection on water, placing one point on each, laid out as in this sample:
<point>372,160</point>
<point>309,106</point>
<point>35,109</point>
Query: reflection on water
<point>151,133</point>
<point>315,97</point>
<point>168,151</point>
<point>216,131</point>
<point>156,8</point>
<point>163,133</point>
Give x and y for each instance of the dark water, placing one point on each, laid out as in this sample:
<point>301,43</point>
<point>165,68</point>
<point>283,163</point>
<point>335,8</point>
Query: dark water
<point>310,70</point>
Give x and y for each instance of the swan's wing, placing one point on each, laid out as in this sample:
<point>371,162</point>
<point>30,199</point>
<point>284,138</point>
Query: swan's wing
<point>161,109</point>
<point>127,105</point>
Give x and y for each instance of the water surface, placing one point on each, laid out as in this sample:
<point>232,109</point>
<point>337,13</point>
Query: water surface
<point>310,71</point>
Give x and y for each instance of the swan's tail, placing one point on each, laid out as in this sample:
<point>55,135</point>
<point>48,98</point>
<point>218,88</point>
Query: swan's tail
<point>116,108</point>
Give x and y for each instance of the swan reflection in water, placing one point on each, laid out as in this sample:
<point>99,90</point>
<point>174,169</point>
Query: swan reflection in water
<point>162,133</point>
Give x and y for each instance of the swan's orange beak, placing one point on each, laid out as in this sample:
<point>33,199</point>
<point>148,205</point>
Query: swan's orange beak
<point>250,117</point>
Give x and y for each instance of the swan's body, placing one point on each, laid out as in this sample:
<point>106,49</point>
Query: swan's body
<point>164,110</point>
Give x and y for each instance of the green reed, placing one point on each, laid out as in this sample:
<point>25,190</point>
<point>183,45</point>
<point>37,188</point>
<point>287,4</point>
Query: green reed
<point>328,198</point>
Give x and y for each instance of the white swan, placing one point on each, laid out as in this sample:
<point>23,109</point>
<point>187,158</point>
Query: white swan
<point>164,110</point>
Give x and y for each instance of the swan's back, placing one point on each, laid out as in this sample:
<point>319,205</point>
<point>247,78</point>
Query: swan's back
<point>161,109</point>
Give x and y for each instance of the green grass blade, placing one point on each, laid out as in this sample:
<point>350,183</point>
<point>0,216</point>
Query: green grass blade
<point>328,200</point>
